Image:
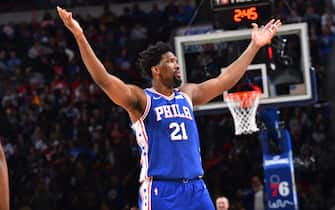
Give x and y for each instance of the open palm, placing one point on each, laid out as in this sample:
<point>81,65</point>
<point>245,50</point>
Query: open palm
<point>68,21</point>
<point>263,36</point>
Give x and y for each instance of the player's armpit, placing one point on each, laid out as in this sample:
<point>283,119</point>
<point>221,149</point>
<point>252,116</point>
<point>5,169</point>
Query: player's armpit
<point>195,92</point>
<point>129,97</point>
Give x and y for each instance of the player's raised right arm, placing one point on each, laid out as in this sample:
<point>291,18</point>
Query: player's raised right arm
<point>127,96</point>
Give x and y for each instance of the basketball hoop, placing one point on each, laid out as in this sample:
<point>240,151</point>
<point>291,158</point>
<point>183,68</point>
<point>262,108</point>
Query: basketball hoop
<point>243,106</point>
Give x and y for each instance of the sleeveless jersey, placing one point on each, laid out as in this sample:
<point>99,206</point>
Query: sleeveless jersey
<point>168,138</point>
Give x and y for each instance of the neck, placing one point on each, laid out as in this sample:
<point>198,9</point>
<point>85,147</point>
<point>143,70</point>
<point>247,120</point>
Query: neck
<point>162,89</point>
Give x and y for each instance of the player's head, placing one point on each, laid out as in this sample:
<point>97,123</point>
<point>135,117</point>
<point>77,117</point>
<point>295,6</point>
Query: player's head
<point>222,203</point>
<point>160,63</point>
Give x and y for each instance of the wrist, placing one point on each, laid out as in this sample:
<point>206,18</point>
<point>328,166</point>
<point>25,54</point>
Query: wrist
<point>254,46</point>
<point>78,34</point>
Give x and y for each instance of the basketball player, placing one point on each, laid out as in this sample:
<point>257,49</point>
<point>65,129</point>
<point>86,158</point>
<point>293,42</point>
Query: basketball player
<point>163,120</point>
<point>4,184</point>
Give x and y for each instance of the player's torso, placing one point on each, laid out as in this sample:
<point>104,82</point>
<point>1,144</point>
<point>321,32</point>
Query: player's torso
<point>168,137</point>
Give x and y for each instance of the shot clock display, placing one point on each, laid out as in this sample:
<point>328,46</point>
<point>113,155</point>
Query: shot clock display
<point>233,14</point>
<point>249,13</point>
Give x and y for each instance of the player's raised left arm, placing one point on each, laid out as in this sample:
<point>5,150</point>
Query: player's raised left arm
<point>4,183</point>
<point>205,91</point>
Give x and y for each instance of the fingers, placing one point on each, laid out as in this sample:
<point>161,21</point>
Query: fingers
<point>60,12</point>
<point>272,26</point>
<point>63,13</point>
<point>277,24</point>
<point>69,21</point>
<point>65,16</point>
<point>269,24</point>
<point>255,26</point>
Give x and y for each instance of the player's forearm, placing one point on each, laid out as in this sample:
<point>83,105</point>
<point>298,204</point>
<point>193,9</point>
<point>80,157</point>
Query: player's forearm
<point>92,63</point>
<point>4,185</point>
<point>209,89</point>
<point>235,71</point>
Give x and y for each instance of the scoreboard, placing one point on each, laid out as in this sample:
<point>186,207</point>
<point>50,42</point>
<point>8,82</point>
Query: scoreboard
<point>228,4</point>
<point>234,14</point>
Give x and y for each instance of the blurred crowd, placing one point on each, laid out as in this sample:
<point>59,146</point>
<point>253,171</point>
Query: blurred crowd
<point>69,147</point>
<point>23,5</point>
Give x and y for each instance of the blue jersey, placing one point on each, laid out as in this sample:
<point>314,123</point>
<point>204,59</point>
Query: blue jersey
<point>168,138</point>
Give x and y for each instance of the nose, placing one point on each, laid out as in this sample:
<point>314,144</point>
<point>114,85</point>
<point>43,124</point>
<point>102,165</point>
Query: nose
<point>177,66</point>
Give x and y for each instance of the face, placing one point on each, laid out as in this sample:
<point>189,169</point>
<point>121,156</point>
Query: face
<point>168,70</point>
<point>222,203</point>
<point>256,183</point>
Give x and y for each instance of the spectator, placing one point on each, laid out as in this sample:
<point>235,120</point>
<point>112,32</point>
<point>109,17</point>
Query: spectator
<point>254,198</point>
<point>222,203</point>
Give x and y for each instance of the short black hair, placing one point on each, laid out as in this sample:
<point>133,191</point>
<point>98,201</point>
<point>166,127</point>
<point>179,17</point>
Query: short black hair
<point>152,56</point>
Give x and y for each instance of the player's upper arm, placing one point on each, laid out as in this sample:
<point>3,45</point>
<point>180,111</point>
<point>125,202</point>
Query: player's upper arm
<point>203,92</point>
<point>4,183</point>
<point>130,97</point>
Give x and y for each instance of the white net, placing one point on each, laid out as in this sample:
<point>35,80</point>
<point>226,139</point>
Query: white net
<point>243,106</point>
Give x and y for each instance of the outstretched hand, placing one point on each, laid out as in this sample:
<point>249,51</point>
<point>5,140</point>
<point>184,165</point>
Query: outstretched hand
<point>69,21</point>
<point>263,36</point>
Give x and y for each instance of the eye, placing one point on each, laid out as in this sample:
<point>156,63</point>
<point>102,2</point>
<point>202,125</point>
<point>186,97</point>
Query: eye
<point>173,60</point>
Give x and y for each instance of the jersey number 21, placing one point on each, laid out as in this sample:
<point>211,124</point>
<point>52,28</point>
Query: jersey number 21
<point>178,131</point>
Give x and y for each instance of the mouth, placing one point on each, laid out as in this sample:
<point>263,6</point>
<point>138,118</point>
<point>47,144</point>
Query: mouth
<point>177,74</point>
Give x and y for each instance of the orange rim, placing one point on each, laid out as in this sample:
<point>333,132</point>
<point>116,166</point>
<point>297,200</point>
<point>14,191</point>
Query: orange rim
<point>246,99</point>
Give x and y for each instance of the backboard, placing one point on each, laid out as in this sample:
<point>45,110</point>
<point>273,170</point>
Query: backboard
<point>282,69</point>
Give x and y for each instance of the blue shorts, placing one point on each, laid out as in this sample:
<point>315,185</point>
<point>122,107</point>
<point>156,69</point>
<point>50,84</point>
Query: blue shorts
<point>174,195</point>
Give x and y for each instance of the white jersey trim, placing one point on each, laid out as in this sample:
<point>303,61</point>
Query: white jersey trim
<point>146,111</point>
<point>142,141</point>
<point>164,96</point>
<point>189,100</point>
<point>145,193</point>
<point>147,108</point>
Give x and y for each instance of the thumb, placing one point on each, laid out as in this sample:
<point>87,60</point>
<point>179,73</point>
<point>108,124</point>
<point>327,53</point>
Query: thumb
<point>255,26</point>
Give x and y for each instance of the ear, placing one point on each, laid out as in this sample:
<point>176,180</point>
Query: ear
<point>154,70</point>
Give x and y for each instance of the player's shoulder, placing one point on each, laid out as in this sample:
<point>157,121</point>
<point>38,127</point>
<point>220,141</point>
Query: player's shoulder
<point>138,105</point>
<point>136,90</point>
<point>188,88</point>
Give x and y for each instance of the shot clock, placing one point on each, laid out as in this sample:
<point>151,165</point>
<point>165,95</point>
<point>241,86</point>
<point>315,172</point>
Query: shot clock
<point>249,13</point>
<point>234,14</point>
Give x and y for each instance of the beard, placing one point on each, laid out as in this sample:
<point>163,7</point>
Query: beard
<point>176,82</point>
